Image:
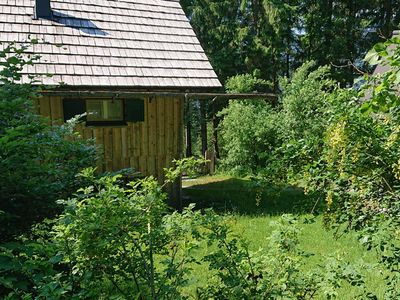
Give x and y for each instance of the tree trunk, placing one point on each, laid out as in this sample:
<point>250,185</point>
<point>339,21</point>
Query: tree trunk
<point>388,15</point>
<point>329,28</point>
<point>288,61</point>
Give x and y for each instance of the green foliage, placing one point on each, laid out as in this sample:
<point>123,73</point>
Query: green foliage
<point>111,241</point>
<point>246,83</point>
<point>341,146</point>
<point>304,114</point>
<point>276,37</point>
<point>121,242</point>
<point>279,140</point>
<point>272,273</point>
<point>359,177</point>
<point>13,61</point>
<point>34,264</point>
<point>115,235</point>
<point>249,134</point>
<point>38,162</point>
<point>189,166</point>
<point>305,101</point>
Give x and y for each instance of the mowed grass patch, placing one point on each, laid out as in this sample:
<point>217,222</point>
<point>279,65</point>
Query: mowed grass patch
<point>251,211</point>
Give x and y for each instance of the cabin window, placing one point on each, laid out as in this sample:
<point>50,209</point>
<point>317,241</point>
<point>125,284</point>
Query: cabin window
<point>105,112</point>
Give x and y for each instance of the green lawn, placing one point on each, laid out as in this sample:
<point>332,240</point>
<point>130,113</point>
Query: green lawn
<point>252,209</point>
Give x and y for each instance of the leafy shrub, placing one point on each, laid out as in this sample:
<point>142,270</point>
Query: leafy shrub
<point>305,101</point>
<point>306,107</point>
<point>249,136</point>
<point>279,141</point>
<point>38,162</point>
<point>356,165</point>
<point>121,242</point>
<point>358,173</point>
<point>341,145</point>
<point>272,273</point>
<point>247,83</point>
<point>115,234</point>
<point>246,130</point>
<point>32,267</point>
<point>112,241</point>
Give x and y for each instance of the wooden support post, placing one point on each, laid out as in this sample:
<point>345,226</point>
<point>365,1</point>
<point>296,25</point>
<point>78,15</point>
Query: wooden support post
<point>188,125</point>
<point>203,127</point>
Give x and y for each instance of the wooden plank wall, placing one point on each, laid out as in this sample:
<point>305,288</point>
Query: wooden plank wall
<point>147,146</point>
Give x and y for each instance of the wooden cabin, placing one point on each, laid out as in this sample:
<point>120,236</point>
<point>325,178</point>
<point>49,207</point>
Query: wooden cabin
<point>128,64</point>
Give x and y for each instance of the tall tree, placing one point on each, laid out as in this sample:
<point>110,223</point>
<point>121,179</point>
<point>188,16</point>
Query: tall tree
<point>340,32</point>
<point>243,36</point>
<point>274,37</point>
<point>216,23</point>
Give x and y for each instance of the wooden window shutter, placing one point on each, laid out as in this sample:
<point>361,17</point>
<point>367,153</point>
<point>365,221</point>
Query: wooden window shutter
<point>134,110</point>
<point>73,107</point>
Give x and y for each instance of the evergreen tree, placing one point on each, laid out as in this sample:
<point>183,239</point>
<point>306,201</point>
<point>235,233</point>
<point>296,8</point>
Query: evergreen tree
<point>271,38</point>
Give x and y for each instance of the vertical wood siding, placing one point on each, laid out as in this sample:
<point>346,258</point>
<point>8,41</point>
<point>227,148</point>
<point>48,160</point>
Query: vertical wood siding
<point>148,146</point>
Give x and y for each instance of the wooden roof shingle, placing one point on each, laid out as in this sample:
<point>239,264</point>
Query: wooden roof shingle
<point>127,43</point>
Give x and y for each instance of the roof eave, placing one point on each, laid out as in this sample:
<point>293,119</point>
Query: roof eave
<point>183,89</point>
<point>198,95</point>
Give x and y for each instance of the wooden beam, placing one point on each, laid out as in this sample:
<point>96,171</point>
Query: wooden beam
<point>189,96</point>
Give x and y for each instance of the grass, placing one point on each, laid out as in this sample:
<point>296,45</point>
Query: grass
<point>253,208</point>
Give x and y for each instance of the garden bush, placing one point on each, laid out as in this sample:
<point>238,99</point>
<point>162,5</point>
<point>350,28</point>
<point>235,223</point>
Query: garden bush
<point>247,83</point>
<point>38,162</point>
<point>339,144</point>
<point>249,135</point>
<point>279,140</point>
<point>305,110</point>
<point>355,167</point>
<point>112,241</point>
<point>117,241</point>
<point>359,167</point>
<point>273,273</point>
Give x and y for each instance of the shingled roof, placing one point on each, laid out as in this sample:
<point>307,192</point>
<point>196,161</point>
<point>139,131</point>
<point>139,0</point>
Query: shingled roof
<point>111,43</point>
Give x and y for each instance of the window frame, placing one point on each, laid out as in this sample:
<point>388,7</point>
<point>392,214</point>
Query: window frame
<point>77,106</point>
<point>122,122</point>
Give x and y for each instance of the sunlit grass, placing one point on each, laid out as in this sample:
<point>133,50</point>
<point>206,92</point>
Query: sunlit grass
<point>251,213</point>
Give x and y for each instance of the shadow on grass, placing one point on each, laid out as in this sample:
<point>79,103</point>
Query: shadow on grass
<point>244,197</point>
